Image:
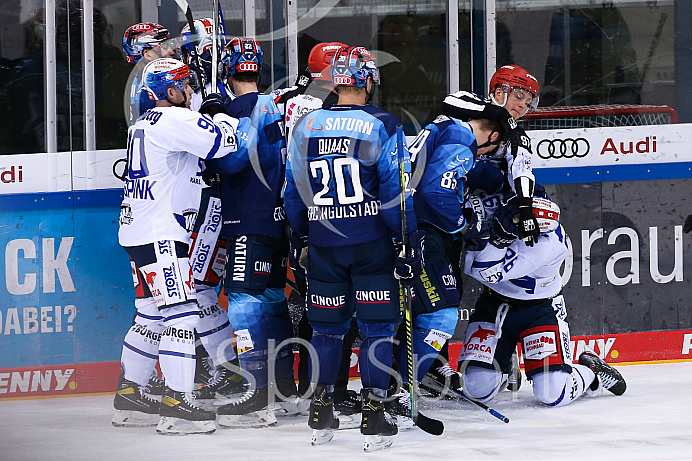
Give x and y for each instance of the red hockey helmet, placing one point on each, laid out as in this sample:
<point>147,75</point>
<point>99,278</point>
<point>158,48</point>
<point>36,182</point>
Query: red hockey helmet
<point>143,36</point>
<point>320,60</point>
<point>547,214</point>
<point>511,76</point>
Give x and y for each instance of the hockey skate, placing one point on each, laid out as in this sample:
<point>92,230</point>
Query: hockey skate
<point>439,380</point>
<point>347,402</point>
<point>322,419</point>
<point>180,415</point>
<point>377,425</point>
<point>133,408</point>
<point>155,385</point>
<point>287,399</point>
<point>249,409</point>
<point>399,406</point>
<point>607,376</point>
<point>222,382</point>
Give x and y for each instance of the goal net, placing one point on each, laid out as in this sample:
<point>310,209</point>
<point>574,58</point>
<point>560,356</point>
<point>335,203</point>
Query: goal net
<point>553,118</point>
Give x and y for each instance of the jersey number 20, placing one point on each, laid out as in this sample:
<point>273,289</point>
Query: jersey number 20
<point>346,173</point>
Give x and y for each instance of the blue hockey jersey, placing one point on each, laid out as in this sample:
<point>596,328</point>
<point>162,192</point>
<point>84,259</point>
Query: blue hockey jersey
<point>442,155</point>
<point>342,177</point>
<point>252,178</point>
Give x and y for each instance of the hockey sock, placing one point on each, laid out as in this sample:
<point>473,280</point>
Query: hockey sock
<point>214,329</point>
<point>141,344</point>
<point>481,384</point>
<point>559,388</point>
<point>247,316</point>
<point>280,328</point>
<point>177,348</point>
<point>328,347</point>
<point>376,354</point>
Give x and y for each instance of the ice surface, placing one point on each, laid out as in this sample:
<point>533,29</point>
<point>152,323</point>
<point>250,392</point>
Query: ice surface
<point>651,421</point>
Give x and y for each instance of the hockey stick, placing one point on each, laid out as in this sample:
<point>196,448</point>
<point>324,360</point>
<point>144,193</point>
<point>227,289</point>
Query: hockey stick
<point>457,395</point>
<point>183,5</point>
<point>429,425</point>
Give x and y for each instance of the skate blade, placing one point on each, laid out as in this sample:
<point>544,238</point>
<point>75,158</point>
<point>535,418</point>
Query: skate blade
<point>403,423</point>
<point>125,418</point>
<point>377,442</point>
<point>349,421</point>
<point>322,436</point>
<point>294,406</point>
<point>177,426</point>
<point>261,418</point>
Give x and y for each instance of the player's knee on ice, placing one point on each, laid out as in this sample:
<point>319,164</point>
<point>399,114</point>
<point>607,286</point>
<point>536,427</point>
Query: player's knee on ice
<point>482,384</point>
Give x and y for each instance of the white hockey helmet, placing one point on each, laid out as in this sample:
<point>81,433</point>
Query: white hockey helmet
<point>547,214</point>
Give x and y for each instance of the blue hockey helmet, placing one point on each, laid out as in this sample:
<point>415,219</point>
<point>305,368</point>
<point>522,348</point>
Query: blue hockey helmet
<point>142,36</point>
<point>352,65</point>
<point>162,73</point>
<point>242,55</point>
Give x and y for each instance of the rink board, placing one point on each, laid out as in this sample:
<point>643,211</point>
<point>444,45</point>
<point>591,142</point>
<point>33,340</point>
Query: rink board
<point>66,297</point>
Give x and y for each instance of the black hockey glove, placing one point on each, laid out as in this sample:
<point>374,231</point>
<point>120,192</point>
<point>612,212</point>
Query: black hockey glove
<point>215,103</point>
<point>409,266</point>
<point>297,257</point>
<point>528,226</point>
<point>504,224</point>
<point>477,233</point>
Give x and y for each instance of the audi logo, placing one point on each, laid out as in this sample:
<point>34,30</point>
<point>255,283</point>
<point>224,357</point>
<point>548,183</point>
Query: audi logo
<point>248,67</point>
<point>563,148</point>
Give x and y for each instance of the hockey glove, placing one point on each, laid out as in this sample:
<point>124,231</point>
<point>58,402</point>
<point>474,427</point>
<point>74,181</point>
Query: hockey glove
<point>298,254</point>
<point>409,266</point>
<point>528,226</point>
<point>215,103</point>
<point>476,234</point>
<point>504,225</point>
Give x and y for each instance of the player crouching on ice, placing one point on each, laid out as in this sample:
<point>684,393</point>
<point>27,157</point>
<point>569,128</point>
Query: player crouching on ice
<point>521,302</point>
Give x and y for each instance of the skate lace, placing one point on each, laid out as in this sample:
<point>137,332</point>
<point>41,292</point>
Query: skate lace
<point>218,375</point>
<point>189,399</point>
<point>144,396</point>
<point>607,380</point>
<point>208,365</point>
<point>445,370</point>
<point>389,418</point>
<point>405,402</point>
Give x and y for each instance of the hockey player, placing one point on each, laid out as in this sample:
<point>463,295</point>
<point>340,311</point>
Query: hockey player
<point>142,43</point>
<point>217,361</point>
<point>296,102</point>
<point>442,155</point>
<point>342,193</point>
<point>190,54</point>
<point>253,223</point>
<point>161,198</point>
<point>516,90</point>
<point>522,302</point>
<point>507,169</point>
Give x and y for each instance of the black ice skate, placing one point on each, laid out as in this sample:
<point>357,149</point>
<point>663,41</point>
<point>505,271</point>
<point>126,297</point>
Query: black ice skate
<point>133,408</point>
<point>249,409</point>
<point>180,415</point>
<point>322,419</point>
<point>399,406</point>
<point>222,382</point>
<point>377,425</point>
<point>512,381</point>
<point>347,402</point>
<point>438,381</point>
<point>609,377</point>
<point>155,385</point>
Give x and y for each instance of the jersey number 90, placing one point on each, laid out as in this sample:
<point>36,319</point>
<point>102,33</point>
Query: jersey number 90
<point>136,160</point>
<point>347,185</point>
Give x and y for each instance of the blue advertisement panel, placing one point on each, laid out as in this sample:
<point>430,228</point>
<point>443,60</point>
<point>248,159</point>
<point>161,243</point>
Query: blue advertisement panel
<point>65,282</point>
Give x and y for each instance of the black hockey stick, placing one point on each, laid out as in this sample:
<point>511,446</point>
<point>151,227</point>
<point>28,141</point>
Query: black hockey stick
<point>429,425</point>
<point>183,5</point>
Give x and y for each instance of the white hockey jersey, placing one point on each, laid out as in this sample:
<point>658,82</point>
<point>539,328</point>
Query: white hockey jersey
<point>296,108</point>
<point>163,182</point>
<point>520,271</point>
<point>197,98</point>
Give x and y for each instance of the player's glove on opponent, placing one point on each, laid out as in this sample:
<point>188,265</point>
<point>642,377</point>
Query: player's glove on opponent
<point>409,266</point>
<point>528,226</point>
<point>215,103</point>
